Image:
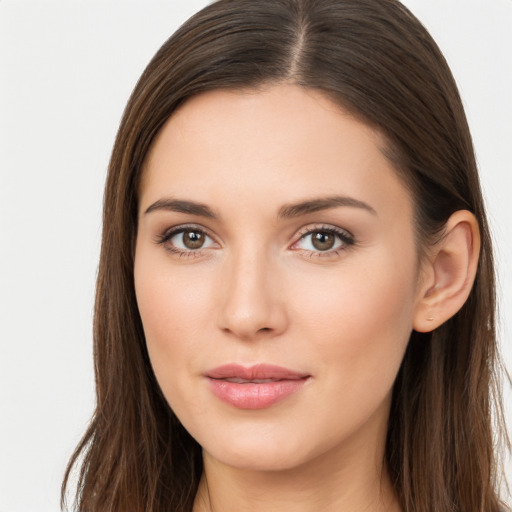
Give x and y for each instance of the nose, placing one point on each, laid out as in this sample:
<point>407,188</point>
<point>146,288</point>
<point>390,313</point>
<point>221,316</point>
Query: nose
<point>253,302</point>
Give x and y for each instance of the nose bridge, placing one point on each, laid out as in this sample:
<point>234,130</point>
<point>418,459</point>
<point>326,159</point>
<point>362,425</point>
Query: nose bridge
<point>251,303</point>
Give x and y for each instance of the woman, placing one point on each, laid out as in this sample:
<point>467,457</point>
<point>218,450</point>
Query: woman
<point>295,302</point>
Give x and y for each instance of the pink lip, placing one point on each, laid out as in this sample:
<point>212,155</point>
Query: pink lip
<point>282,383</point>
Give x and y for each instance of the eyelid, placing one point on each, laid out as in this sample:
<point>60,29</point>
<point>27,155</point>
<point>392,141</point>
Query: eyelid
<point>344,235</point>
<point>311,228</point>
<point>169,233</point>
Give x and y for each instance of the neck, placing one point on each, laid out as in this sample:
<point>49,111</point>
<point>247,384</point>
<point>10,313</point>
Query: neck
<point>332,482</point>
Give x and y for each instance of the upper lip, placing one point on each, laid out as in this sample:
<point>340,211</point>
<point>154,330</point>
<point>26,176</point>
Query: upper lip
<point>254,372</point>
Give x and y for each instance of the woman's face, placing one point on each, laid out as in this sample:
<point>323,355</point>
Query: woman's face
<point>276,276</point>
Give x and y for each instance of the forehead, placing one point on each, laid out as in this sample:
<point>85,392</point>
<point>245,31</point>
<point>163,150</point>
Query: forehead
<point>272,116</point>
<point>283,143</point>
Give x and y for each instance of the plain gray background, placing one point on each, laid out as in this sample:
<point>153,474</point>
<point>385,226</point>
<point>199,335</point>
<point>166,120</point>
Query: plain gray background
<point>66,71</point>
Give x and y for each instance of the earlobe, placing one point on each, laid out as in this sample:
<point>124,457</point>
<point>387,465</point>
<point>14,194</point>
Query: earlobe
<point>452,270</point>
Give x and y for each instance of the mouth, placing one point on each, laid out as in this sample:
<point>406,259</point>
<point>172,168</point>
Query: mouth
<point>255,387</point>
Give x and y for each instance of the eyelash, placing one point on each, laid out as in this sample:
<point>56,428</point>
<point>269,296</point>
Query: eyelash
<point>164,238</point>
<point>347,240</point>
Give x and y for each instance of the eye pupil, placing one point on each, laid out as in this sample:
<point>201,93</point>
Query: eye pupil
<point>193,239</point>
<point>323,241</point>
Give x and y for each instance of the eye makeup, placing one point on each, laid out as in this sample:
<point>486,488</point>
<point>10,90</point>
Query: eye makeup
<point>323,238</point>
<point>320,240</point>
<point>186,241</point>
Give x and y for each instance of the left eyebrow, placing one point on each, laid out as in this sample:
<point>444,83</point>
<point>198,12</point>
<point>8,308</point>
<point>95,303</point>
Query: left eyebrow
<point>323,203</point>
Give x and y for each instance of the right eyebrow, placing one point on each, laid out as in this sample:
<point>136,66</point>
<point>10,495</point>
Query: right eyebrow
<point>182,206</point>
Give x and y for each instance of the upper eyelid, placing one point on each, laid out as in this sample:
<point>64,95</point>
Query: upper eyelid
<point>188,227</point>
<point>346,237</point>
<point>311,228</point>
<point>163,238</point>
<point>300,233</point>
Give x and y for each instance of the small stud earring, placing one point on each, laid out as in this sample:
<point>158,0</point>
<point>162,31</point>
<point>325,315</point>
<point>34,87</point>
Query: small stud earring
<point>430,318</point>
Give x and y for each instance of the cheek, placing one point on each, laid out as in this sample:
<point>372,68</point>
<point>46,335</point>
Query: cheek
<point>361,318</point>
<point>167,307</point>
<point>172,305</point>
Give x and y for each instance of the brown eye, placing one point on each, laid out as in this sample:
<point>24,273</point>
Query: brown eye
<point>187,240</point>
<point>193,239</point>
<point>323,240</point>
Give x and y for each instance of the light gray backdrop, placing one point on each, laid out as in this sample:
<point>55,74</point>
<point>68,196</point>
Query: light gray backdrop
<point>66,71</point>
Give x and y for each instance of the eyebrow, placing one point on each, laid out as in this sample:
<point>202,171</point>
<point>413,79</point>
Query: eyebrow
<point>323,203</point>
<point>182,206</point>
<point>286,212</point>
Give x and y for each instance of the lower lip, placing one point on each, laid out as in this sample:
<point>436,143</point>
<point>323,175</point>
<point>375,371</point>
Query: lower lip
<point>255,395</point>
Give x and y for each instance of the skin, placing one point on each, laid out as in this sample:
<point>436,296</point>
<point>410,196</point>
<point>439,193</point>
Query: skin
<point>258,291</point>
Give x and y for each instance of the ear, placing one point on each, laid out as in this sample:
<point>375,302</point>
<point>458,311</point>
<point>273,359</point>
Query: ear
<point>449,273</point>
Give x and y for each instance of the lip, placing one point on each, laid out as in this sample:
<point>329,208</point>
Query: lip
<point>242,387</point>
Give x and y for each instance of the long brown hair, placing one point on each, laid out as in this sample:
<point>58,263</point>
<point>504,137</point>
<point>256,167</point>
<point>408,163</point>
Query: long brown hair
<point>374,58</point>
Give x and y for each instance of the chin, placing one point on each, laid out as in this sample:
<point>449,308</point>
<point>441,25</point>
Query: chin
<point>264,449</point>
<point>258,459</point>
